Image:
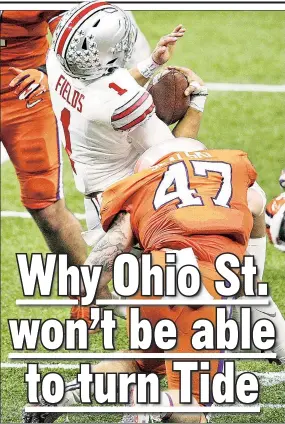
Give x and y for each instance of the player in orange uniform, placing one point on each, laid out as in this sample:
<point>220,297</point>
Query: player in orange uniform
<point>196,200</point>
<point>275,221</point>
<point>184,199</point>
<point>218,180</point>
<point>192,203</point>
<point>275,218</point>
<point>29,129</point>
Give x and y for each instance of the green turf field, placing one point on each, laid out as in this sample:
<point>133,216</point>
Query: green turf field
<point>240,47</point>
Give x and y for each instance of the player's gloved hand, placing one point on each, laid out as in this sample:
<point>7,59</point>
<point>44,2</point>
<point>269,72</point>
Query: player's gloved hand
<point>28,84</point>
<point>166,45</point>
<point>197,90</point>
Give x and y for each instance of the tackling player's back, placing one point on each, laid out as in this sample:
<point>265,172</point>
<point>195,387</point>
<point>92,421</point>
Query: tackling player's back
<point>196,200</point>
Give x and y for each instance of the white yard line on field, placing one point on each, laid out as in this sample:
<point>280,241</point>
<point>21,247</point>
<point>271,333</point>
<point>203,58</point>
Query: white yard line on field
<point>272,405</point>
<point>212,86</point>
<point>26,215</point>
<point>270,378</point>
<point>42,366</point>
<point>265,378</point>
<point>3,154</point>
<point>261,88</point>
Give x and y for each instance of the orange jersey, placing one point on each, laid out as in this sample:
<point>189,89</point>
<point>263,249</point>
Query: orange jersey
<point>24,41</point>
<point>196,200</point>
<point>272,209</point>
<point>275,205</point>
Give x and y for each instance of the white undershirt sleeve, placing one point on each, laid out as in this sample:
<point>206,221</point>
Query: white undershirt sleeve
<point>150,133</point>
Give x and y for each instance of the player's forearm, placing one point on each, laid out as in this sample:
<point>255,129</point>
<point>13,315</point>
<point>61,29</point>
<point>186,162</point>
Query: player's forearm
<point>117,240</point>
<point>159,57</point>
<point>189,125</point>
<point>140,79</point>
<point>95,258</point>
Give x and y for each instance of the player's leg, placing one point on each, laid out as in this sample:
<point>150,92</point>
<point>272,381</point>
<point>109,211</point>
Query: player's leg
<point>257,248</point>
<point>182,317</point>
<point>172,396</point>
<point>30,137</point>
<point>185,334</point>
<point>61,230</point>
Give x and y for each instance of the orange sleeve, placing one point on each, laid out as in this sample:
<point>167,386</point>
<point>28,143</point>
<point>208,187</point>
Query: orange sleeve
<point>113,202</point>
<point>252,174</point>
<point>116,198</point>
<point>52,17</point>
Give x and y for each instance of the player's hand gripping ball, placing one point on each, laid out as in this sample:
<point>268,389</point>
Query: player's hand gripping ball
<point>175,90</point>
<point>167,90</point>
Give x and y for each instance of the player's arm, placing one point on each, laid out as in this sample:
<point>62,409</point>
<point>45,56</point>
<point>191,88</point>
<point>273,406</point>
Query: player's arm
<point>152,132</point>
<point>52,17</point>
<point>118,239</point>
<point>135,114</point>
<point>161,55</point>
<point>256,200</point>
<point>31,83</point>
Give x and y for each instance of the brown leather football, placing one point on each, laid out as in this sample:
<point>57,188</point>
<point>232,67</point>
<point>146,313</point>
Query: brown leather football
<point>167,90</point>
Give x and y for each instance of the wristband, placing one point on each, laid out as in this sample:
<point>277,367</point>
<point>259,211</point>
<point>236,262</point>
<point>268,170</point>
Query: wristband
<point>198,98</point>
<point>147,67</point>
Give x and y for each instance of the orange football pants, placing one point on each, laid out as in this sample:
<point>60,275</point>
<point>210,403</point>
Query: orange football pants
<point>183,317</point>
<point>29,134</point>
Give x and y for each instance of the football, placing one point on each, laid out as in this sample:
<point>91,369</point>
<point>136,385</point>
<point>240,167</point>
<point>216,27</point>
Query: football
<point>167,90</point>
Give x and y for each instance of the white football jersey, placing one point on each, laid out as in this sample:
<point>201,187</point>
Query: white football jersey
<point>95,120</point>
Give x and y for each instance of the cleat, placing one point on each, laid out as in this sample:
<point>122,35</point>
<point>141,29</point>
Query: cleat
<point>272,313</point>
<point>140,418</point>
<point>275,361</point>
<point>133,417</point>
<point>40,417</point>
<point>71,398</point>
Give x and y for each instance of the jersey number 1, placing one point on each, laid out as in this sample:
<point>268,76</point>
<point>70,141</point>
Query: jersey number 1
<point>65,120</point>
<point>177,177</point>
<point>118,89</point>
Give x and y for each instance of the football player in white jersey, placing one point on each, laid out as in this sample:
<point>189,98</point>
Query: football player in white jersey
<point>105,117</point>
